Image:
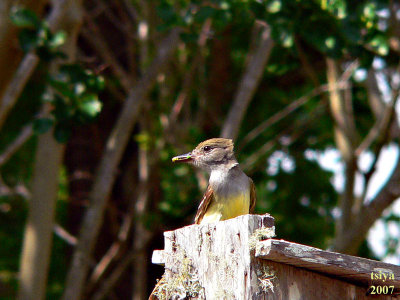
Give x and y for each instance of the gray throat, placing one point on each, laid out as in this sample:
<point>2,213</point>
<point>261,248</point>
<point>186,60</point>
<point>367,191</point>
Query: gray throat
<point>229,180</point>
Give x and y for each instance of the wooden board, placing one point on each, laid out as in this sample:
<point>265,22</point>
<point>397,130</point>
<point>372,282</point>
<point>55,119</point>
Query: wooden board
<point>346,267</point>
<point>292,283</point>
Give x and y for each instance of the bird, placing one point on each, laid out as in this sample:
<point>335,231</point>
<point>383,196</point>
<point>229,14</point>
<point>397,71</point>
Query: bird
<point>230,192</point>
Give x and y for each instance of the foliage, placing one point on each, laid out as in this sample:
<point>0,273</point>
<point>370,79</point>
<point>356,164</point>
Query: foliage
<point>35,34</point>
<point>74,90</point>
<point>74,96</point>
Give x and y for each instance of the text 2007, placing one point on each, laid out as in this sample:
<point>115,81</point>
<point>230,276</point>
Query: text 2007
<point>381,289</point>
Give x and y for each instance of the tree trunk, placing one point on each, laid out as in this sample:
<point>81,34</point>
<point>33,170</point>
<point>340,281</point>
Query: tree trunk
<point>36,249</point>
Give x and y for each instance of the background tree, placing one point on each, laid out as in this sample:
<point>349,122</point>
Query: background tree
<point>285,79</point>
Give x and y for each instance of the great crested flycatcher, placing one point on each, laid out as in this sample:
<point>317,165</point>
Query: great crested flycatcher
<point>230,193</point>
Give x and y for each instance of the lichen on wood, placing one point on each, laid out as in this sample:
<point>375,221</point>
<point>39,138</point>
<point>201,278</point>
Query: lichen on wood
<point>214,261</point>
<point>183,282</point>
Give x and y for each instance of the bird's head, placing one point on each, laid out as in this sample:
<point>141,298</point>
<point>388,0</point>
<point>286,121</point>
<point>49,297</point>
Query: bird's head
<point>210,155</point>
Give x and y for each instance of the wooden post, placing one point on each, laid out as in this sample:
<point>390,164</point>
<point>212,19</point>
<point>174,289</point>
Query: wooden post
<point>213,261</point>
<point>237,259</point>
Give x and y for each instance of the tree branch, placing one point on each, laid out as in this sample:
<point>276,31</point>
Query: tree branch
<point>384,128</point>
<point>381,127</point>
<point>27,66</point>
<point>101,47</point>
<point>345,140</point>
<point>305,62</point>
<point>370,212</point>
<point>25,134</point>
<point>141,234</point>
<point>352,234</point>
<point>293,106</point>
<point>295,129</point>
<point>355,234</point>
<point>248,85</point>
<point>64,235</point>
<point>106,173</point>
<point>111,280</point>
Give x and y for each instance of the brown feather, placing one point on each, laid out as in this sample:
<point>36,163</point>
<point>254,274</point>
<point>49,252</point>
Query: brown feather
<point>253,197</point>
<point>204,204</point>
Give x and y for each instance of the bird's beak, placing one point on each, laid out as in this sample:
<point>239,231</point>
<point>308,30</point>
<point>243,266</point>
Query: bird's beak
<point>183,158</point>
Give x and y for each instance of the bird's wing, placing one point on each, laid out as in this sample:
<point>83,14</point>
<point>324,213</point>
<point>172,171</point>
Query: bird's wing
<point>253,196</point>
<point>205,202</point>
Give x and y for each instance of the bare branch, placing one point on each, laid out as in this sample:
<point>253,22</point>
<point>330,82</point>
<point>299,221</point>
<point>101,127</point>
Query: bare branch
<point>344,134</point>
<point>295,130</point>
<point>25,134</point>
<point>112,253</point>
<point>248,85</point>
<point>111,280</point>
<point>64,235</point>
<point>106,173</point>
<point>381,127</point>
<point>172,133</point>
<point>355,234</point>
<point>27,66</point>
<point>101,47</point>
<point>339,85</point>
<point>141,233</point>
<point>136,209</point>
<point>17,84</point>
<point>130,9</point>
<point>306,63</point>
<point>293,106</point>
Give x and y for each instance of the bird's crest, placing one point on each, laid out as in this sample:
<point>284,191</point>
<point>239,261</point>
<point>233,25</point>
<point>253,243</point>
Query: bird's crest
<point>216,143</point>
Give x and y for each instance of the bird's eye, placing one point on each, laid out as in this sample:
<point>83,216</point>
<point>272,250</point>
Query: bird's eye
<point>207,148</point>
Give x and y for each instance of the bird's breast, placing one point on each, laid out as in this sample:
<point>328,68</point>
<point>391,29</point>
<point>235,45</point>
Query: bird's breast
<point>227,207</point>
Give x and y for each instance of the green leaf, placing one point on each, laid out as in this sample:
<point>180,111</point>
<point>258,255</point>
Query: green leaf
<point>57,39</point>
<point>369,11</point>
<point>380,45</point>
<point>42,125</point>
<point>90,105</point>
<point>99,83</point>
<point>274,6</point>
<point>23,17</point>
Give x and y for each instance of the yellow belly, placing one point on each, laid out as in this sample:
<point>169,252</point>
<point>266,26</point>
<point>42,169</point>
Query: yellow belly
<point>227,208</point>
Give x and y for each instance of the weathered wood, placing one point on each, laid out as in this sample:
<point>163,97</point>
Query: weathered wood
<point>213,261</point>
<point>347,267</point>
<point>237,259</point>
<point>292,283</point>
